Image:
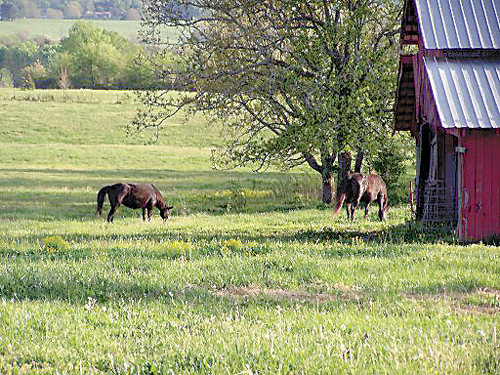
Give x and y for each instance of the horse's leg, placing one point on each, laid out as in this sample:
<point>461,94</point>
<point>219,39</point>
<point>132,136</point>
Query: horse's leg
<point>144,214</point>
<point>355,205</point>
<point>150,213</point>
<point>366,210</point>
<point>381,203</point>
<point>348,209</point>
<point>351,209</point>
<point>115,199</point>
<point>111,213</point>
<point>356,198</point>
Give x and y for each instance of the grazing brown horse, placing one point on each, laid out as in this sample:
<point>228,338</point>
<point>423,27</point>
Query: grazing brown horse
<point>145,196</point>
<point>357,188</point>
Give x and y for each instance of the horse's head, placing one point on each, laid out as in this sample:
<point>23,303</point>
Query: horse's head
<point>164,212</point>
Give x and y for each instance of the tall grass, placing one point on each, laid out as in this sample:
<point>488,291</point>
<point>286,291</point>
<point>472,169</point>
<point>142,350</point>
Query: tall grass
<point>250,275</point>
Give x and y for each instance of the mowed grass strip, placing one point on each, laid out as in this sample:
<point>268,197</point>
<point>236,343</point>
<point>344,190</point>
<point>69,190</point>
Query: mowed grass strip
<point>250,275</point>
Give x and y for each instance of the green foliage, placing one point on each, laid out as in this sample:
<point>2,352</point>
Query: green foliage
<point>292,83</point>
<point>74,9</point>
<point>90,56</point>
<point>390,162</point>
<point>6,78</point>
<point>140,73</point>
<point>18,56</point>
<point>33,72</point>
<point>94,56</point>
<point>9,10</point>
<point>26,61</point>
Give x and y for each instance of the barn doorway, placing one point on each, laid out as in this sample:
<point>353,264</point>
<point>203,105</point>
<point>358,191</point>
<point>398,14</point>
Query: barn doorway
<point>437,177</point>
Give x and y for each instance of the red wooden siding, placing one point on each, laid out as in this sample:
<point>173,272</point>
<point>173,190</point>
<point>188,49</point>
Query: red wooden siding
<point>481,185</point>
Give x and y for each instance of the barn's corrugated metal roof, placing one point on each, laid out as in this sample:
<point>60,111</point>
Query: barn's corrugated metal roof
<point>466,92</point>
<point>452,24</point>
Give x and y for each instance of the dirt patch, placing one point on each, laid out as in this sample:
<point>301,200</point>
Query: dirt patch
<point>475,309</point>
<point>479,301</point>
<point>340,292</point>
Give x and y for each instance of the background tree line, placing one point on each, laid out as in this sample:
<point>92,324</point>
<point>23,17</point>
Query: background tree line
<point>89,57</point>
<point>74,9</point>
<point>70,9</point>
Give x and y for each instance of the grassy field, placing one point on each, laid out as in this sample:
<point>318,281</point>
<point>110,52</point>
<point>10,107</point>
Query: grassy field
<point>250,275</point>
<point>58,29</point>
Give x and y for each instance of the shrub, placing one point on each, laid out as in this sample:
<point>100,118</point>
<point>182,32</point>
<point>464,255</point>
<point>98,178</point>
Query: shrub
<point>390,164</point>
<point>54,14</point>
<point>72,11</point>
<point>133,14</point>
<point>33,72</point>
<point>63,81</point>
<point>6,78</point>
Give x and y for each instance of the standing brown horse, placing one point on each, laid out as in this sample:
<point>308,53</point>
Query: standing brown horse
<point>357,188</point>
<point>145,196</point>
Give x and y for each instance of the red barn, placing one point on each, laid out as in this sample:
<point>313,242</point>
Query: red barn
<point>449,98</point>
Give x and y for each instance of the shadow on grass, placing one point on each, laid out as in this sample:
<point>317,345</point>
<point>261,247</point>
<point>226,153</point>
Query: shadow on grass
<point>80,289</point>
<point>98,177</point>
<point>342,243</point>
<point>405,233</point>
<point>76,289</point>
<point>66,194</point>
<point>79,285</point>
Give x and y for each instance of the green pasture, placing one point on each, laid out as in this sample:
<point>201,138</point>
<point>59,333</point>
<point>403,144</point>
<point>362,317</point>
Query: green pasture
<point>250,274</point>
<point>58,29</point>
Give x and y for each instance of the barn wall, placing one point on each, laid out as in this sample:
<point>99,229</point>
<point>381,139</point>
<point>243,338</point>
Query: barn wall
<point>480,193</point>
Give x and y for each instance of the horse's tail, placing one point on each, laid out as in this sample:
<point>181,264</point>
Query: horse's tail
<point>340,202</point>
<point>100,199</point>
<point>384,194</point>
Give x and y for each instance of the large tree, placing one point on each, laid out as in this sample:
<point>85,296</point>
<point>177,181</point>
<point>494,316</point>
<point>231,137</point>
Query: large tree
<point>9,10</point>
<point>93,56</point>
<point>292,82</point>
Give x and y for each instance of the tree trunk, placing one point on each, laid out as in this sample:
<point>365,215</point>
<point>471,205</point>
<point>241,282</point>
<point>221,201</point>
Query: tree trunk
<point>327,175</point>
<point>328,186</point>
<point>345,160</point>
<point>359,161</point>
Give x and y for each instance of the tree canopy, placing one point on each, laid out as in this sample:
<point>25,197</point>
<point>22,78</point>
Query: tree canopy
<point>71,9</point>
<point>292,82</point>
<point>88,57</point>
<point>94,56</point>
